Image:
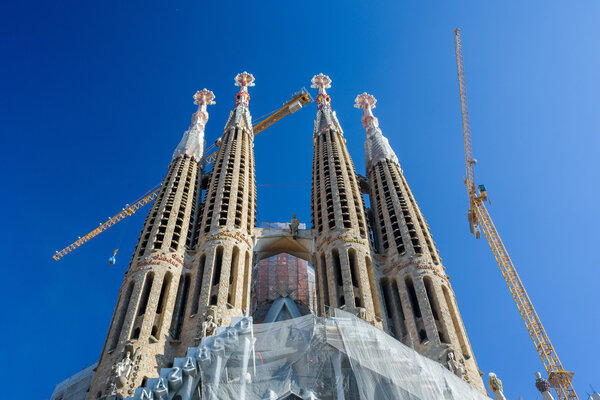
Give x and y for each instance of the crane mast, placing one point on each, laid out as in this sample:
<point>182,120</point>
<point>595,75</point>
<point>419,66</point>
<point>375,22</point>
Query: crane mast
<point>298,100</point>
<point>479,219</point>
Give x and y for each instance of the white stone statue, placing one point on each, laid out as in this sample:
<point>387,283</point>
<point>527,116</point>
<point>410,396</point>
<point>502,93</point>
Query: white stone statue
<point>495,385</point>
<point>208,326</point>
<point>454,366</point>
<point>123,367</point>
<point>543,386</point>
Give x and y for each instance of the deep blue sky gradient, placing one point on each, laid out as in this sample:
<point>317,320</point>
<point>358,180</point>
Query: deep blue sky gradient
<point>95,97</point>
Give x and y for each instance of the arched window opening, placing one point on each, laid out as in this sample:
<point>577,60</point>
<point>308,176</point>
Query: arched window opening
<point>233,277</point>
<point>325,282</point>
<point>414,302</point>
<point>164,296</point>
<point>353,267</point>
<point>198,284</point>
<point>218,266</point>
<point>216,277</point>
<point>136,333</point>
<point>412,295</point>
<point>163,293</point>
<point>341,301</point>
<point>337,267</point>
<point>373,287</point>
<point>455,322</point>
<point>145,294</point>
<point>121,317</point>
<point>435,309</point>
<point>246,289</point>
<point>385,292</point>
<point>398,301</point>
<point>179,311</point>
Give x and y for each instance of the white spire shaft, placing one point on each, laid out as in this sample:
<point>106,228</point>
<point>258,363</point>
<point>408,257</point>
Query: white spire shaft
<point>377,147</point>
<point>192,143</point>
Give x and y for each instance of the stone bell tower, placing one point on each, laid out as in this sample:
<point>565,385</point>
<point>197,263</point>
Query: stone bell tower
<point>222,270</point>
<point>419,304</point>
<point>137,337</point>
<point>344,267</point>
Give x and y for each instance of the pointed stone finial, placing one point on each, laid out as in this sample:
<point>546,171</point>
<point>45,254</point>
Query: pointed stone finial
<point>204,96</point>
<point>322,82</point>
<point>243,80</point>
<point>367,103</point>
<point>543,386</point>
<point>192,143</point>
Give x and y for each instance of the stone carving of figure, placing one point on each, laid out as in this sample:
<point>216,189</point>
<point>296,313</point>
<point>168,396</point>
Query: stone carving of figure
<point>208,326</point>
<point>454,366</point>
<point>543,386</point>
<point>123,367</point>
<point>362,313</point>
<point>294,226</point>
<point>495,385</point>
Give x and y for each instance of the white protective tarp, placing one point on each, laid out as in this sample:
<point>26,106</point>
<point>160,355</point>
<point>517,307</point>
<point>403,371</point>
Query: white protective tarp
<point>340,357</point>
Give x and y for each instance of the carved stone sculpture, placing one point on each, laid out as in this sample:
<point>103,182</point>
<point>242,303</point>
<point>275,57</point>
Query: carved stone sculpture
<point>495,385</point>
<point>543,386</point>
<point>454,366</point>
<point>208,326</point>
<point>294,224</point>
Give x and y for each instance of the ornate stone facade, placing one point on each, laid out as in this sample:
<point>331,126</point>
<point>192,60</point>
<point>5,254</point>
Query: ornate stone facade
<point>191,272</point>
<point>417,297</point>
<point>344,267</point>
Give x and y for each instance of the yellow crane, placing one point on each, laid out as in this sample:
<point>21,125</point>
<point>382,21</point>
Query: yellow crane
<point>479,219</point>
<point>298,100</point>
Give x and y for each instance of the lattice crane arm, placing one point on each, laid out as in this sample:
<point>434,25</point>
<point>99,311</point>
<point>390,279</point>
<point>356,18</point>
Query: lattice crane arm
<point>298,100</point>
<point>480,217</point>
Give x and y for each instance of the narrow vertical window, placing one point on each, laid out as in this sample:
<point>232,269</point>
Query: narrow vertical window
<point>398,302</point>
<point>372,285</point>
<point>435,308</point>
<point>216,278</point>
<point>325,282</point>
<point>164,297</point>
<point>353,267</point>
<point>198,284</point>
<point>414,302</point>
<point>233,277</point>
<point>145,294</point>
<point>337,272</point>
<point>121,317</point>
<point>179,311</point>
<point>455,322</point>
<point>246,294</point>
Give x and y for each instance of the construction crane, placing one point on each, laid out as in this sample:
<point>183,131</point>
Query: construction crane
<point>479,219</point>
<point>298,100</point>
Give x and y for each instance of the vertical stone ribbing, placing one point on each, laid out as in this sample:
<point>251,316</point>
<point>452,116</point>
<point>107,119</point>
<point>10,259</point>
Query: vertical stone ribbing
<point>420,308</point>
<point>343,253</point>
<point>147,297</point>
<point>220,281</point>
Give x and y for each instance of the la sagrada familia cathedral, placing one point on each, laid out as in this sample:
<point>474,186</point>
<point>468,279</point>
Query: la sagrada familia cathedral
<point>387,323</point>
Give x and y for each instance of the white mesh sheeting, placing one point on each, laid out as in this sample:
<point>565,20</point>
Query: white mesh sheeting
<point>341,357</point>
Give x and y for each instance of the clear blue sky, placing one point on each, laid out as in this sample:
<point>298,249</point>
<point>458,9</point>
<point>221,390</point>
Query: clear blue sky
<point>95,97</point>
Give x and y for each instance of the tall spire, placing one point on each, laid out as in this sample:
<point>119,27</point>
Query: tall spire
<point>326,118</point>
<point>377,147</point>
<point>240,114</point>
<point>192,143</point>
